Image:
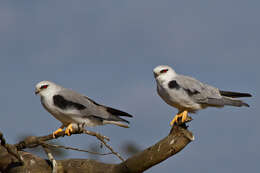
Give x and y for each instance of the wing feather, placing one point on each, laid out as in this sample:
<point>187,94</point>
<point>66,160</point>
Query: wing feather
<point>92,108</point>
<point>196,90</point>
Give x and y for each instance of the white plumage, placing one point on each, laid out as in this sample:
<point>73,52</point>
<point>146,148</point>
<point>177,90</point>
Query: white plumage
<point>190,95</point>
<point>73,109</point>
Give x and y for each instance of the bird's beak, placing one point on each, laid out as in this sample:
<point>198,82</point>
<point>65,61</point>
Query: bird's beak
<point>155,75</point>
<point>36,91</point>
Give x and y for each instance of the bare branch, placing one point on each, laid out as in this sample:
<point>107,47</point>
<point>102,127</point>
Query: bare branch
<point>97,135</point>
<point>173,143</point>
<point>72,148</point>
<point>110,148</point>
<point>51,158</point>
<point>32,141</point>
<point>178,138</point>
<point>10,148</point>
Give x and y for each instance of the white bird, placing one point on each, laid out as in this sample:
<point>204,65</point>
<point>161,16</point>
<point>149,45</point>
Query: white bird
<point>190,95</point>
<point>76,110</point>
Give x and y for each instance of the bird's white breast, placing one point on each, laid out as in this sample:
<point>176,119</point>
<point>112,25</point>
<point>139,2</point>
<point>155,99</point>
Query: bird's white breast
<point>48,104</point>
<point>177,98</point>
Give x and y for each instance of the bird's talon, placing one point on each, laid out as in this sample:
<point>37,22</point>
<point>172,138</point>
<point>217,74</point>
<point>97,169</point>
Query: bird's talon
<point>56,132</point>
<point>184,116</point>
<point>69,130</point>
<point>180,116</point>
<point>174,120</point>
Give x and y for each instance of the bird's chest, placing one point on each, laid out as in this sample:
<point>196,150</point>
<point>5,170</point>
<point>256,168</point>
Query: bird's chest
<point>48,104</point>
<point>173,97</point>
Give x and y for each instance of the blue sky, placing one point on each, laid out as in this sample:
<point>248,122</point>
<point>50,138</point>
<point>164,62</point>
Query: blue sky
<point>107,51</point>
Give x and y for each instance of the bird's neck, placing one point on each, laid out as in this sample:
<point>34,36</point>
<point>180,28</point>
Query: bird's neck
<point>160,81</point>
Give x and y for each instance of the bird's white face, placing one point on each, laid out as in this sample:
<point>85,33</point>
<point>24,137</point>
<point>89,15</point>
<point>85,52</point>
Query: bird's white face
<point>163,72</point>
<point>44,87</point>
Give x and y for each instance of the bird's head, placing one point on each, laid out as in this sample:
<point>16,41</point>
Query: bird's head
<point>44,87</point>
<point>163,72</point>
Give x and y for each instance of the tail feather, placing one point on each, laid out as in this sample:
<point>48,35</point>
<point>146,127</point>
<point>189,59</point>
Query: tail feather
<point>233,102</point>
<point>225,101</point>
<point>115,123</point>
<point>117,112</point>
<point>115,116</point>
<point>234,94</point>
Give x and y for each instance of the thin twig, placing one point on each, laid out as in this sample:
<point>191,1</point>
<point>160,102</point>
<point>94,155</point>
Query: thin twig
<point>72,148</point>
<point>97,135</point>
<point>32,141</point>
<point>51,158</point>
<point>109,147</point>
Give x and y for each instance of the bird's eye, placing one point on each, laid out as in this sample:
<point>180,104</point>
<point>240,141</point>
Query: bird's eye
<point>163,70</point>
<point>44,86</point>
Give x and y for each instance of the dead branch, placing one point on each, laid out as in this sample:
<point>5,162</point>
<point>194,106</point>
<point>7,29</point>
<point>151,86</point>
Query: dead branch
<point>177,139</point>
<point>111,149</point>
<point>72,148</point>
<point>32,141</point>
<point>51,158</point>
<point>10,148</point>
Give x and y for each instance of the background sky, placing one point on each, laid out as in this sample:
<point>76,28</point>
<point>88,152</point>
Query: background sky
<point>107,51</point>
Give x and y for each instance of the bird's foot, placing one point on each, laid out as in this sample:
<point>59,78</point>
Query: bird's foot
<point>69,130</point>
<point>57,132</point>
<point>181,115</point>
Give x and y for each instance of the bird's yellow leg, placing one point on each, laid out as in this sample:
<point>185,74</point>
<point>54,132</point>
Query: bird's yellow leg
<point>57,131</point>
<point>69,130</point>
<point>182,115</point>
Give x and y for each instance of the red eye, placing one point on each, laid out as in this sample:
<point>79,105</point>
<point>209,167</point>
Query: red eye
<point>163,70</point>
<point>44,86</point>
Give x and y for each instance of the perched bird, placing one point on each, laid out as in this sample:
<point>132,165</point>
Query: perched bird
<point>190,95</point>
<point>76,110</point>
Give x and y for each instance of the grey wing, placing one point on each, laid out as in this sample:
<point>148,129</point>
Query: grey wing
<point>199,92</point>
<point>208,95</point>
<point>89,108</point>
<point>85,106</point>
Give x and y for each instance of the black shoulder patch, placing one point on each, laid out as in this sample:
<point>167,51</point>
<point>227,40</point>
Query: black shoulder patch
<point>173,84</point>
<point>62,103</point>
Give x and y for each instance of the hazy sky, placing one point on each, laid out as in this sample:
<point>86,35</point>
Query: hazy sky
<point>107,51</point>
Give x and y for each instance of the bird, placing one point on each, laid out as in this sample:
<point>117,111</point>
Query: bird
<point>75,110</point>
<point>189,95</point>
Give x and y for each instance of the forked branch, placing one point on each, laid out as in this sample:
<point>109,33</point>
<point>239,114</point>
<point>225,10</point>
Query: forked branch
<point>174,142</point>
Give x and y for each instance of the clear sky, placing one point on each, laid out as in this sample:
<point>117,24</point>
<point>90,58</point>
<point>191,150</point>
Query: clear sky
<point>107,51</point>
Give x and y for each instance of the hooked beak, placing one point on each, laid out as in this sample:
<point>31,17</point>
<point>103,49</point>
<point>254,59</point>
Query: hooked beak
<point>36,91</point>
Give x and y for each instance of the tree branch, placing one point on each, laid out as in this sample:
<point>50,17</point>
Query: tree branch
<point>51,158</point>
<point>178,138</point>
<point>72,148</point>
<point>32,141</point>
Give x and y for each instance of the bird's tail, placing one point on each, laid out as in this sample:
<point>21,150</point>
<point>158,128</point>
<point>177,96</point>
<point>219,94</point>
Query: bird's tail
<point>115,123</point>
<point>234,102</point>
<point>234,94</point>
<point>117,112</point>
<point>115,117</point>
